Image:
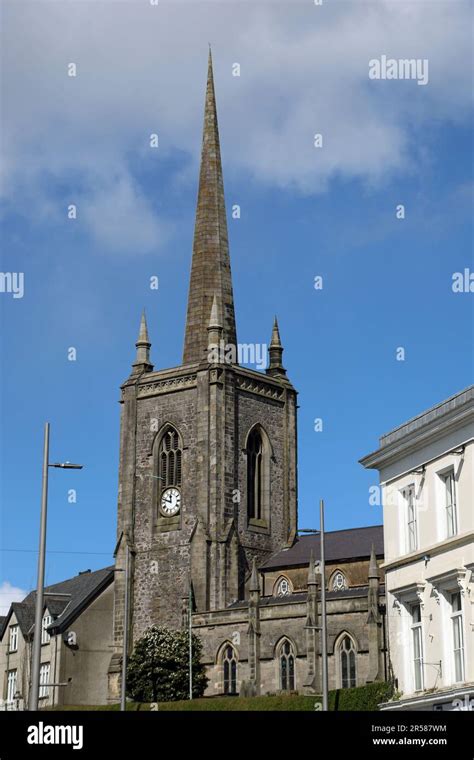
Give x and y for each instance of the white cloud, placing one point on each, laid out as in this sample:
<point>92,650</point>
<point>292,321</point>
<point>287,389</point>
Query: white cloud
<point>141,69</point>
<point>9,594</point>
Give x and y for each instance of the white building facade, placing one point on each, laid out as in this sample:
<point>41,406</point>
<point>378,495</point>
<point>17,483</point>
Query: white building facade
<point>426,471</point>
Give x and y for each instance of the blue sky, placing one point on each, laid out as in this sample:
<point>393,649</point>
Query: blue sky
<point>304,212</point>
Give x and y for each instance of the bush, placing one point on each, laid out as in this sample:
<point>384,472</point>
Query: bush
<point>362,698</point>
<point>158,669</point>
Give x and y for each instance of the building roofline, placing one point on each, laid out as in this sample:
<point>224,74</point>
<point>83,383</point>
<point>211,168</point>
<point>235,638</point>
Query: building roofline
<point>59,625</point>
<point>432,423</point>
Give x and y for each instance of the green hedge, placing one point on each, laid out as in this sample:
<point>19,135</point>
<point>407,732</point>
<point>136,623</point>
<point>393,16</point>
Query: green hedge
<point>361,698</point>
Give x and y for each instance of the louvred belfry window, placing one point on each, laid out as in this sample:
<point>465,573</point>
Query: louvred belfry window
<point>170,459</point>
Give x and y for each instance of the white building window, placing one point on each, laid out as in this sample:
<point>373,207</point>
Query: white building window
<point>411,521</point>
<point>450,504</point>
<point>45,636</point>
<point>44,680</point>
<point>417,645</point>
<point>13,645</point>
<point>458,636</point>
<point>11,685</point>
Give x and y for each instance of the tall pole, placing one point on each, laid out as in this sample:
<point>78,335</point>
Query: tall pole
<point>36,656</point>
<point>123,686</point>
<point>190,627</point>
<point>324,633</point>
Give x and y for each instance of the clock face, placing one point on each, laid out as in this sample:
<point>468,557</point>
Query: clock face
<point>170,502</point>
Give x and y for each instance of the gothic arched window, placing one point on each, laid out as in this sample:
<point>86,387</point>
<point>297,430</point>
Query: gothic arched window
<point>229,661</point>
<point>255,475</point>
<point>287,666</point>
<point>169,459</point>
<point>347,662</point>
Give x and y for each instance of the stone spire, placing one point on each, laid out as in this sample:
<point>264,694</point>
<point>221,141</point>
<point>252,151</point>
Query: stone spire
<point>275,353</point>
<point>210,270</point>
<point>142,360</point>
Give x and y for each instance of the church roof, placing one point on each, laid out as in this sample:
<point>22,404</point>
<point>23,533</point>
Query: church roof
<point>300,597</point>
<point>352,543</point>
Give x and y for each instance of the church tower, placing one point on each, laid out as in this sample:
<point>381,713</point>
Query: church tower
<point>207,478</point>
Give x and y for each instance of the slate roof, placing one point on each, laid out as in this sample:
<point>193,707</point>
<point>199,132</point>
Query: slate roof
<point>301,596</point>
<point>349,544</point>
<point>65,600</point>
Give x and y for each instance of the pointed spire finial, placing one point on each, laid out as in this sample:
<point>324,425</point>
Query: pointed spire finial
<point>143,331</point>
<point>254,584</point>
<point>276,340</point>
<point>373,567</point>
<point>275,353</point>
<point>214,321</point>
<point>214,334</point>
<point>311,571</point>
<point>210,270</point>
<point>143,345</point>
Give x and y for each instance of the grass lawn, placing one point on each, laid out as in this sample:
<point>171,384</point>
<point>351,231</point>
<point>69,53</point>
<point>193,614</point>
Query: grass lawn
<point>360,698</point>
<point>281,702</point>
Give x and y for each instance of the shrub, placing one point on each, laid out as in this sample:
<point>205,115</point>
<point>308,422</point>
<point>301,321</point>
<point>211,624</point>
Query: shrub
<point>158,669</point>
<point>362,698</point>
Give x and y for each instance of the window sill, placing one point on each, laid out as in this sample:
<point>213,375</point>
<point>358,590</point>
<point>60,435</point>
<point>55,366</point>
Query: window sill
<point>259,526</point>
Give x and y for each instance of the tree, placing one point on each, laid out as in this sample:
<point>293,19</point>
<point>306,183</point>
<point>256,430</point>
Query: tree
<point>158,669</point>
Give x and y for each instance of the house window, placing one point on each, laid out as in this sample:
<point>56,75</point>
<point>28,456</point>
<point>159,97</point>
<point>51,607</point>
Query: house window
<point>347,662</point>
<point>11,685</point>
<point>169,459</point>
<point>13,645</point>
<point>339,582</point>
<point>287,667</point>
<point>450,504</point>
<point>255,475</point>
<point>230,670</point>
<point>45,635</point>
<point>412,537</point>
<point>417,645</point>
<point>44,680</point>
<point>458,637</point>
<point>283,587</point>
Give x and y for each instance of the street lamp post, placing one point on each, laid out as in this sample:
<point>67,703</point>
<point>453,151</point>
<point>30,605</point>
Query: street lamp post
<point>36,654</point>
<point>323,627</point>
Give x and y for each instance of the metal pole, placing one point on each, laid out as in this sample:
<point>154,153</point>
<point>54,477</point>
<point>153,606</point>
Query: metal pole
<point>123,686</point>
<point>324,635</point>
<point>36,656</point>
<point>190,627</point>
